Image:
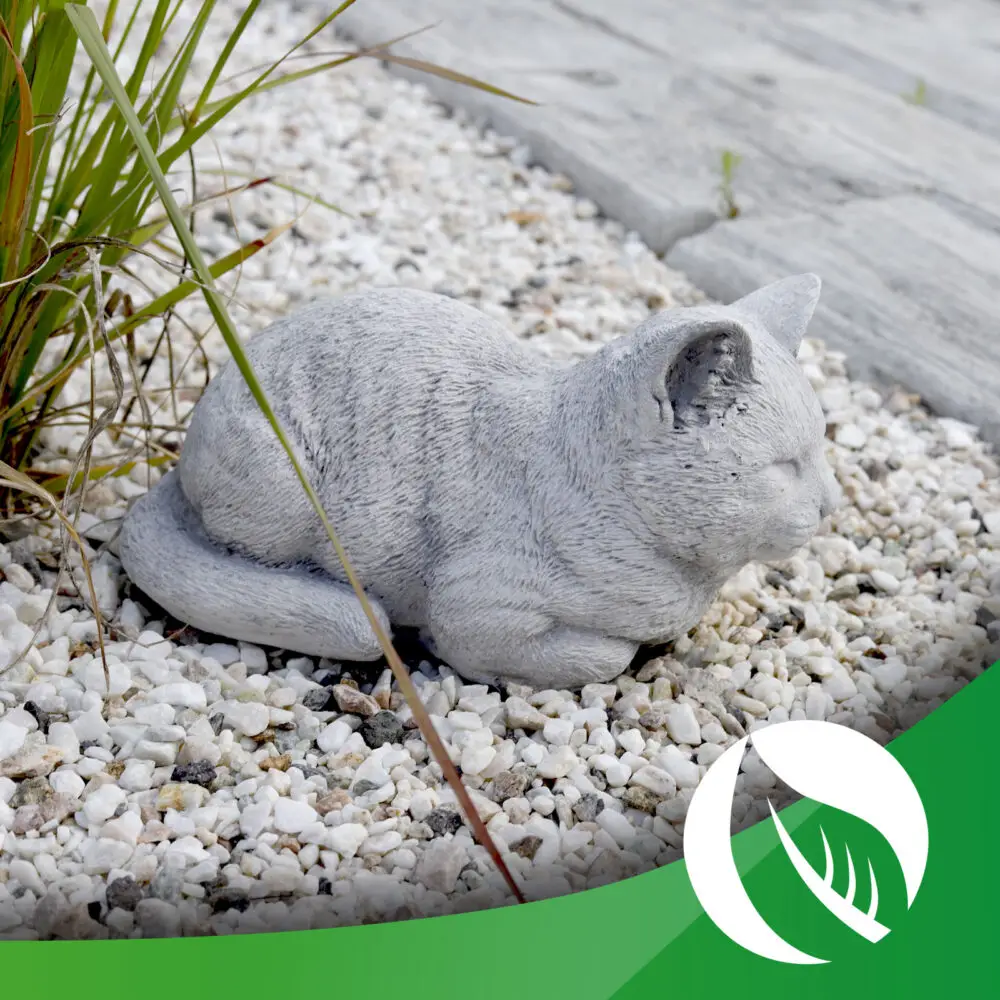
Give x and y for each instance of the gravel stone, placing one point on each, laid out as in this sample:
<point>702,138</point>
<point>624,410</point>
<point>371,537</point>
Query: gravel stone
<point>198,772</point>
<point>33,791</point>
<point>123,893</point>
<point>641,798</point>
<point>444,821</point>
<point>588,808</point>
<point>527,848</point>
<point>383,727</point>
<point>507,785</point>
<point>440,864</point>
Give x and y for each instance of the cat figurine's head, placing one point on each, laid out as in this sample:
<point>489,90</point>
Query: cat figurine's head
<point>725,460</point>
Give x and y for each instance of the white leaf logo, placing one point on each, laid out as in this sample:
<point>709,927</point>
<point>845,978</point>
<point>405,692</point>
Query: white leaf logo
<point>834,766</point>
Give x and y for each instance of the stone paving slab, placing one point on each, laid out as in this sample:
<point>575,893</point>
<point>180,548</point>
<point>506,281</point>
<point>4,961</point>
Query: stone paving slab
<point>868,137</point>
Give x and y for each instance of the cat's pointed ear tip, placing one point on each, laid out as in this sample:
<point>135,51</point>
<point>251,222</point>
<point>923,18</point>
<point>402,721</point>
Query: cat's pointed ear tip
<point>806,284</point>
<point>807,280</point>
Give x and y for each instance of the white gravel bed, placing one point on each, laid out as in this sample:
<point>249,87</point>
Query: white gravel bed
<point>221,788</point>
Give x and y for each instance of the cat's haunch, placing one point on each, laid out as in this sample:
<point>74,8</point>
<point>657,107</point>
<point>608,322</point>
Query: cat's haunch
<point>538,522</point>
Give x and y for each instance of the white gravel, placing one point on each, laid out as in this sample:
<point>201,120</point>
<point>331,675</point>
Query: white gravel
<point>236,789</point>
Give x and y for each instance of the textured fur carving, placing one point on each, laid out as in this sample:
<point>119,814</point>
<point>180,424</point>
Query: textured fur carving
<point>538,522</point>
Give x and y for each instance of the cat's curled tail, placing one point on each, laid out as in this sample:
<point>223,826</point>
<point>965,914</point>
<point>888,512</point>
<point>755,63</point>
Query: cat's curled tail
<point>165,551</point>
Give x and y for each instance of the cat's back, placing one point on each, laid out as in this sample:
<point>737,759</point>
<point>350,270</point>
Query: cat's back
<point>386,329</point>
<point>371,367</point>
<point>401,402</point>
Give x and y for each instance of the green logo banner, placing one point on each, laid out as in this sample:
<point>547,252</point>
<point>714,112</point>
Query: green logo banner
<point>648,936</point>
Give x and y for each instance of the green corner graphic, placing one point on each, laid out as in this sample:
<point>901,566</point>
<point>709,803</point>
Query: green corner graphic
<point>949,935</point>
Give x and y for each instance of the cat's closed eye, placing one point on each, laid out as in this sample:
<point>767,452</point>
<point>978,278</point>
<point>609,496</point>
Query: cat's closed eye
<point>790,467</point>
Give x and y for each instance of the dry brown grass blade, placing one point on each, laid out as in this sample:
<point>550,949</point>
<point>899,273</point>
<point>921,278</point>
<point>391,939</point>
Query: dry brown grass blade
<point>12,215</point>
<point>426,726</point>
<point>381,51</point>
<point>59,483</point>
<point>432,69</point>
<point>448,769</point>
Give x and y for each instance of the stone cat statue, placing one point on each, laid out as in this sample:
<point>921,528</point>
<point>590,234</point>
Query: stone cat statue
<point>538,522</point>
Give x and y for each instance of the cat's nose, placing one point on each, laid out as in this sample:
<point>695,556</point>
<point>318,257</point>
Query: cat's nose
<point>832,496</point>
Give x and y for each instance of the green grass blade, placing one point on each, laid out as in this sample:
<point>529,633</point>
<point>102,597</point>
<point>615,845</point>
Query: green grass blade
<point>103,176</point>
<point>220,63</point>
<point>42,317</point>
<point>77,130</point>
<point>178,70</point>
<point>18,24</point>
<point>51,61</point>
<point>86,27</point>
<point>109,19</point>
<point>87,108</point>
<point>165,77</point>
<point>154,36</point>
<point>225,106</point>
<point>376,52</point>
<point>432,69</point>
<point>137,184</point>
<point>83,163</point>
<point>273,182</point>
<point>338,53</point>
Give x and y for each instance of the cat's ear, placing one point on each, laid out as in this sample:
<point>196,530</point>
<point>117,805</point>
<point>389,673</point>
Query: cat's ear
<point>710,367</point>
<point>784,308</point>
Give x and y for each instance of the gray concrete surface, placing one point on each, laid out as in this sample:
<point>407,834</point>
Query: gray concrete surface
<point>868,132</point>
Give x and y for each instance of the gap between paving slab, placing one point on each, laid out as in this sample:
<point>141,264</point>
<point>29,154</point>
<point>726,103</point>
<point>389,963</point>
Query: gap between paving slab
<point>894,202</point>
